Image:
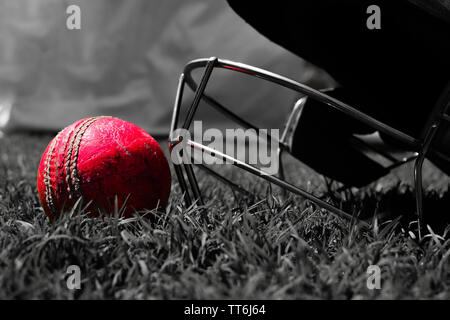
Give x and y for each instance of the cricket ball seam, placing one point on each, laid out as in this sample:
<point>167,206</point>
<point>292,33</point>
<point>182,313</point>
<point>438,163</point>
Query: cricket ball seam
<point>47,175</point>
<point>68,160</point>
<point>74,177</point>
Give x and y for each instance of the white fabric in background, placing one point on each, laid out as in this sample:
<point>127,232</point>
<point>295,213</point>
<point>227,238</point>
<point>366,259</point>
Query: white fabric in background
<point>124,62</point>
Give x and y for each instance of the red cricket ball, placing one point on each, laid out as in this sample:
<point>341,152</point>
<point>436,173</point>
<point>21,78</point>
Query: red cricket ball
<point>98,159</point>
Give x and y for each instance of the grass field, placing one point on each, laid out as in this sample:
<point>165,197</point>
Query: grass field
<point>266,249</point>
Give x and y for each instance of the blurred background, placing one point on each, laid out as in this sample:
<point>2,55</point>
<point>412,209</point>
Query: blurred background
<point>126,59</point>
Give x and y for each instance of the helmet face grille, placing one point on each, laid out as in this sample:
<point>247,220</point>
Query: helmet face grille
<point>182,147</point>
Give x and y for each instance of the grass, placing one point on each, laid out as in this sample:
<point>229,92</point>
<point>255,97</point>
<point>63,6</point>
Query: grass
<point>271,248</point>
